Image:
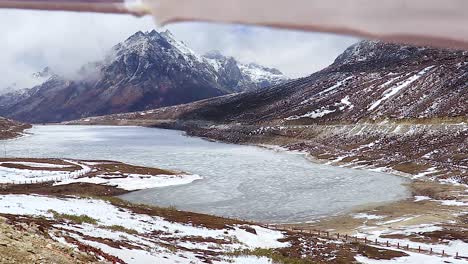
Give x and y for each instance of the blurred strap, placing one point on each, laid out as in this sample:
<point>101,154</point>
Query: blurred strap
<point>99,6</point>
<point>441,23</point>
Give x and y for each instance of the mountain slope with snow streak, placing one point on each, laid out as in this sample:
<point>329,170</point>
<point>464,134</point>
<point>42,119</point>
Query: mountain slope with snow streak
<point>392,81</point>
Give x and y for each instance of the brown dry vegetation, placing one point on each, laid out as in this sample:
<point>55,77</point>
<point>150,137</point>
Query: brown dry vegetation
<point>11,129</point>
<point>113,167</point>
<point>25,243</point>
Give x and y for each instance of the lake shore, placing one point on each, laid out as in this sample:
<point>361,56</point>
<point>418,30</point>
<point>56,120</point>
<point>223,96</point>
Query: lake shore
<point>434,217</point>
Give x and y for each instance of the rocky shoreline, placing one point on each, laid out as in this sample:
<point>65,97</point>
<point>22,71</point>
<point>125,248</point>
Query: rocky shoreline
<point>436,151</point>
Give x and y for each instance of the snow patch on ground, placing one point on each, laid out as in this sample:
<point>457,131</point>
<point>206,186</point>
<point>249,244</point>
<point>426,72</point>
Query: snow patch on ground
<point>145,247</point>
<point>452,203</point>
<point>337,85</point>
<point>20,176</point>
<point>248,260</point>
<point>134,182</point>
<point>314,114</point>
<point>450,247</point>
<point>425,173</point>
<point>421,198</point>
<point>346,102</point>
<point>413,258</point>
<point>394,90</point>
<point>367,216</point>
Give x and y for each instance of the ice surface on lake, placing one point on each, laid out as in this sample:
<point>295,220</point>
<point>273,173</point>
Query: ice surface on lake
<point>238,181</point>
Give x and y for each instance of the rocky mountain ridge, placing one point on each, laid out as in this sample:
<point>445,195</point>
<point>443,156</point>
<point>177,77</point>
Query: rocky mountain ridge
<point>147,70</point>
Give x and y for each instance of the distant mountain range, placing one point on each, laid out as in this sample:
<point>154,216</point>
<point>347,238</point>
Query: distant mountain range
<point>369,81</point>
<point>148,70</point>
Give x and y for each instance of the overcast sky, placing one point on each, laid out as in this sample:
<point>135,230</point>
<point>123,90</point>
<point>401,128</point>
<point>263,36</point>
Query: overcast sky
<point>32,40</point>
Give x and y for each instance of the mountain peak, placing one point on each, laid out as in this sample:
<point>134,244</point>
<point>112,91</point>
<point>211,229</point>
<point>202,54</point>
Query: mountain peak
<point>46,72</point>
<point>214,54</point>
<point>167,33</point>
<point>137,35</point>
<point>147,70</point>
<point>370,50</point>
<point>153,32</point>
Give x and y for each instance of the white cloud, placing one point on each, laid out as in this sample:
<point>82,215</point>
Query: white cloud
<point>64,41</point>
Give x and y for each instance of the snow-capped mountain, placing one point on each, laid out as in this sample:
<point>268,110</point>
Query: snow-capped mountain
<point>369,81</point>
<point>32,80</point>
<point>373,80</point>
<point>145,71</point>
<point>233,73</point>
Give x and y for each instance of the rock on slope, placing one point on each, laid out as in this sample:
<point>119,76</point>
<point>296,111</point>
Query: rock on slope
<point>147,70</point>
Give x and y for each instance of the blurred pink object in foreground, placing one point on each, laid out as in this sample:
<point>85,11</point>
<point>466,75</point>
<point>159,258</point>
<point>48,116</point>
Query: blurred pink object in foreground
<point>441,23</point>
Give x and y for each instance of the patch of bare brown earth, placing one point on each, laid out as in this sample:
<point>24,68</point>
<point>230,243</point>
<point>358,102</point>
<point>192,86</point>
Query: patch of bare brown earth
<point>26,243</point>
<point>11,129</point>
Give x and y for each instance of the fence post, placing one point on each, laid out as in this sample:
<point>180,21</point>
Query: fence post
<point>443,253</point>
<point>387,243</point>
<point>419,249</point>
<point>376,242</point>
<point>430,252</point>
<point>338,235</point>
<point>398,245</point>
<point>456,255</point>
<point>328,234</point>
<point>346,237</point>
<point>407,246</point>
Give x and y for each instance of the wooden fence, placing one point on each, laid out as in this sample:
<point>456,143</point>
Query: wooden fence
<point>364,240</point>
<point>39,180</point>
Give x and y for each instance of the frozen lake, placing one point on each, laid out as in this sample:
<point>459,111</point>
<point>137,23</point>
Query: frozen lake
<point>239,181</point>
